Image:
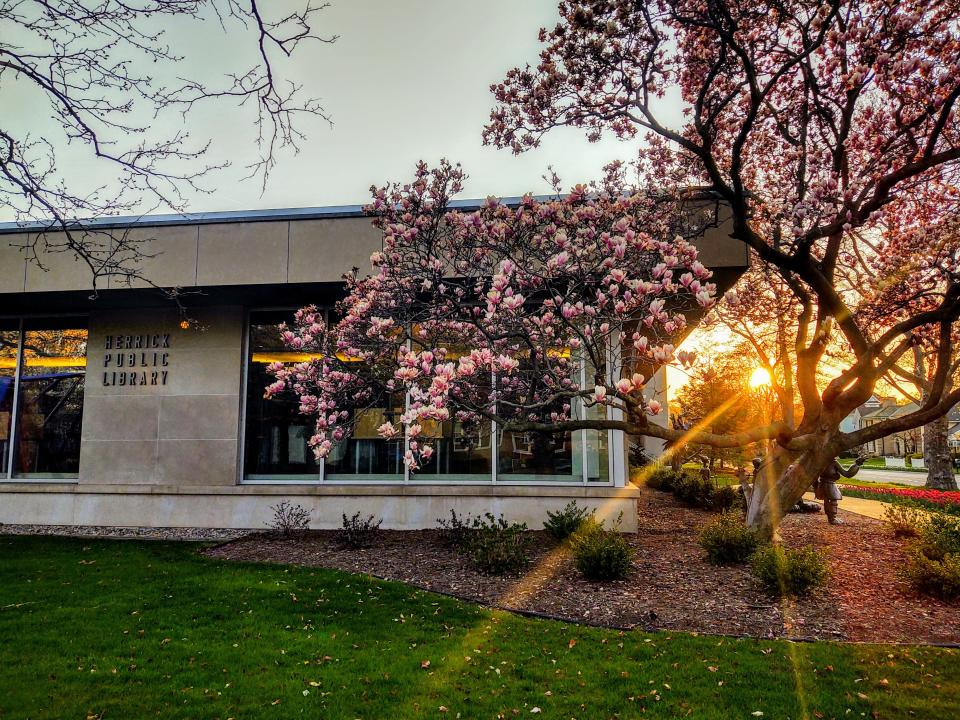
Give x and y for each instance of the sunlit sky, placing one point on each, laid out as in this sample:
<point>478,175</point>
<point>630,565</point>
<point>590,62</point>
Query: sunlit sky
<point>405,80</point>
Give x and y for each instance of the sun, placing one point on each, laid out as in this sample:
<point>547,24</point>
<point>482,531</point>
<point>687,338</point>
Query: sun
<point>759,378</point>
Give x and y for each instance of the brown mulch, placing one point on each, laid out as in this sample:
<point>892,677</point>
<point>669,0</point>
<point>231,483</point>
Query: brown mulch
<point>672,586</point>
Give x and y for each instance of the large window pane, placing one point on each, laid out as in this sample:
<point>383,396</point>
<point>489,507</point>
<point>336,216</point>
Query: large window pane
<point>365,456</point>
<point>50,400</point>
<point>536,456</point>
<point>9,342</point>
<point>460,452</point>
<point>276,434</point>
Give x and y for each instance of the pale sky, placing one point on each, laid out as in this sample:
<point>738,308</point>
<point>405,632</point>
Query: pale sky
<point>407,79</point>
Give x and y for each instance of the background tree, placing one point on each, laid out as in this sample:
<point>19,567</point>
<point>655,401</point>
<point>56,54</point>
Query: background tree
<point>817,123</point>
<point>98,68</point>
<point>718,398</point>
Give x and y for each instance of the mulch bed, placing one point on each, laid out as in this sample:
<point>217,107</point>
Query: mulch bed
<point>672,586</point>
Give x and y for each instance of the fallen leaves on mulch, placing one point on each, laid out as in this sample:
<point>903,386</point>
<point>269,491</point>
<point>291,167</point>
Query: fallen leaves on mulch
<point>671,587</point>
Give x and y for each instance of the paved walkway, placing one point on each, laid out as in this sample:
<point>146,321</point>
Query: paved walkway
<point>860,506</point>
<point>901,477</point>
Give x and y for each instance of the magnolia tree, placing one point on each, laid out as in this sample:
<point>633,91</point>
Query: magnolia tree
<point>824,126</point>
<point>531,316</point>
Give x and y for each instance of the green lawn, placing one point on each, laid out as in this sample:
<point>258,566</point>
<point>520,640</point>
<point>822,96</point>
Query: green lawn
<point>133,630</point>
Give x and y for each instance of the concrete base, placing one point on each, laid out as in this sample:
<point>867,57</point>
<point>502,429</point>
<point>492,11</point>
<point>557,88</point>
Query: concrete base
<point>406,507</point>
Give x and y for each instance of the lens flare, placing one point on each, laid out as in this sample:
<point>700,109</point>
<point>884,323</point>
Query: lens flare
<point>759,378</point>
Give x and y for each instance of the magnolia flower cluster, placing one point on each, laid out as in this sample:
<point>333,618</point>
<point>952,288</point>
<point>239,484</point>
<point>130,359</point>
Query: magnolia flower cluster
<point>517,314</point>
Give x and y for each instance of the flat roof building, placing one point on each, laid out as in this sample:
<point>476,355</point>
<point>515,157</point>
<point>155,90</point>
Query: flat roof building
<point>114,411</point>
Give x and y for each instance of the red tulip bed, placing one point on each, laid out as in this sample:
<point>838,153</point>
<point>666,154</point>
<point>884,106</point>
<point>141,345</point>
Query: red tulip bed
<point>940,500</point>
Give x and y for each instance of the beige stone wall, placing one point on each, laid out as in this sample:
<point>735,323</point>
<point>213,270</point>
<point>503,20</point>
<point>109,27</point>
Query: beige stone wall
<point>403,507</point>
<point>181,428</point>
<point>210,255</point>
<point>253,253</point>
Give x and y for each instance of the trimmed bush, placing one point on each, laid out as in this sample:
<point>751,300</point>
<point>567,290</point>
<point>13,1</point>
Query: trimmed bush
<point>566,522</point>
<point>695,491</point>
<point>726,497</point>
<point>905,521</point>
<point>784,572</point>
<point>455,531</point>
<point>727,540</point>
<point>664,479</point>
<point>933,567</point>
<point>600,554</point>
<point>939,578</point>
<point>495,546</point>
<point>357,533</point>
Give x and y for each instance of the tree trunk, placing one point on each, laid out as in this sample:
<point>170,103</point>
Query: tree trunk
<point>781,481</point>
<point>936,454</point>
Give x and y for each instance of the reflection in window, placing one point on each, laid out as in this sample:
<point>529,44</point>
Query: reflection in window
<point>460,452</point>
<point>276,434</point>
<point>535,456</point>
<point>365,455</point>
<point>50,400</point>
<point>9,342</point>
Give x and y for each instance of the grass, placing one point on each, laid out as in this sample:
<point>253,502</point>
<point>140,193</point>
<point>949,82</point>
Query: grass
<point>126,629</point>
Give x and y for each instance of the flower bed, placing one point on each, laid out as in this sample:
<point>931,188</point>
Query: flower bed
<point>940,500</point>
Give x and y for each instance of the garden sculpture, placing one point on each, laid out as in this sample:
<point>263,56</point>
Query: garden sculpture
<point>825,488</point>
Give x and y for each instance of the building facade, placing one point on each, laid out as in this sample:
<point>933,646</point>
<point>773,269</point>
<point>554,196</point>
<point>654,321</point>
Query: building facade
<point>122,409</point>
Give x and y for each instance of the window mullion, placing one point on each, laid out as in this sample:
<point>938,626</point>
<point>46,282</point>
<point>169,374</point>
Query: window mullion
<point>15,413</point>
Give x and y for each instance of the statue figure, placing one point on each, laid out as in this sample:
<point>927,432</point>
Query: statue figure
<point>746,488</point>
<point>825,488</point>
<point>704,469</point>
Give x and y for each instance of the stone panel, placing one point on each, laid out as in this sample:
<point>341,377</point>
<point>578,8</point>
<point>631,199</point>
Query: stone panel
<point>126,462</point>
<point>121,417</point>
<point>13,265</point>
<point>323,250</point>
<point>63,270</point>
<point>169,256</point>
<point>199,417</point>
<point>198,462</point>
<point>242,254</point>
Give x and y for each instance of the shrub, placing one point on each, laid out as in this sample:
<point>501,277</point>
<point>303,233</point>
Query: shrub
<point>455,531</point>
<point>933,567</point>
<point>727,497</point>
<point>726,539</point>
<point>564,523</point>
<point>940,536</point>
<point>664,479</point>
<point>785,572</point>
<point>904,520</point>
<point>495,546</point>
<point>599,553</point>
<point>288,519</point>
<point>695,491</point>
<point>357,533</point>
<point>939,578</point>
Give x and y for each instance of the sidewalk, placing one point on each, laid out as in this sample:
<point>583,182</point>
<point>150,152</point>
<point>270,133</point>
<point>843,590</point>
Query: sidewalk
<point>860,506</point>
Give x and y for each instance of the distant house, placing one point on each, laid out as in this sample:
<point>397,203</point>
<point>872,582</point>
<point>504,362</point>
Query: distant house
<point>900,444</point>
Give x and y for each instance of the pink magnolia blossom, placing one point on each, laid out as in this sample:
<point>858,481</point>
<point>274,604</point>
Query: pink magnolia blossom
<point>490,312</point>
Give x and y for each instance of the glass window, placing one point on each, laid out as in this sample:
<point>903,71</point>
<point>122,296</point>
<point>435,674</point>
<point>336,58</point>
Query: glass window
<point>275,433</point>
<point>50,400</point>
<point>366,456</point>
<point>9,344</point>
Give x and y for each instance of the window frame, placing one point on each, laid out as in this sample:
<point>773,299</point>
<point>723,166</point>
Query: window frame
<point>6,463</point>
